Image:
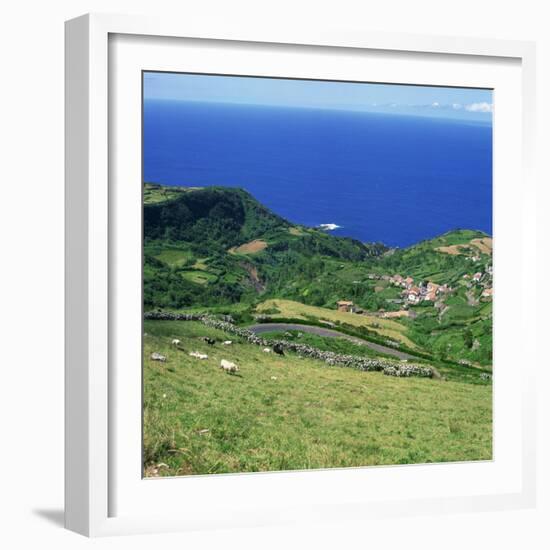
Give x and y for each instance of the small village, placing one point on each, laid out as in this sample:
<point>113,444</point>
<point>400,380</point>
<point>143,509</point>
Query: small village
<point>414,293</point>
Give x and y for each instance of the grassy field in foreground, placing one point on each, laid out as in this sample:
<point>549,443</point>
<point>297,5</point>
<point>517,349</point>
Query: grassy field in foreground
<point>285,413</point>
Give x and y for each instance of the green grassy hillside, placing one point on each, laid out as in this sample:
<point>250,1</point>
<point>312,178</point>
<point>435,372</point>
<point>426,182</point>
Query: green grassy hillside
<point>286,413</point>
<point>201,247</point>
<point>211,218</point>
<point>288,309</point>
<point>219,249</point>
<point>426,260</point>
<point>462,327</point>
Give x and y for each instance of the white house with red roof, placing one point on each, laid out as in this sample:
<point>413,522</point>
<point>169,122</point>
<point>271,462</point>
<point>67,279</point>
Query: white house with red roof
<point>413,295</point>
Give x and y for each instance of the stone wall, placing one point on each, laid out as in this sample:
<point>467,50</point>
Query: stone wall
<point>226,324</point>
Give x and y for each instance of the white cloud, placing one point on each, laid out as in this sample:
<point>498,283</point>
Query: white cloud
<point>482,107</point>
<point>435,104</point>
<point>456,106</point>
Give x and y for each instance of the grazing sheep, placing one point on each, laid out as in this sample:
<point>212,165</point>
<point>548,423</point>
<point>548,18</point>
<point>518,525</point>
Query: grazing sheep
<point>278,349</point>
<point>227,343</point>
<point>228,366</point>
<point>176,342</point>
<point>158,357</point>
<point>227,324</point>
<point>267,350</point>
<point>273,378</point>
<point>198,355</point>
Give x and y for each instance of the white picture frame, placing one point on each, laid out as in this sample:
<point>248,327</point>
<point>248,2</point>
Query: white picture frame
<point>101,501</point>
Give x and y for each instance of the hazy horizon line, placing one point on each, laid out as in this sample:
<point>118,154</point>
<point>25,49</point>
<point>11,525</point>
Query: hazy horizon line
<point>439,116</point>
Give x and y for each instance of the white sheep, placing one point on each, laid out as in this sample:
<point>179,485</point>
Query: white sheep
<point>267,350</point>
<point>158,357</point>
<point>228,366</point>
<point>198,355</point>
<point>176,342</point>
<point>227,343</point>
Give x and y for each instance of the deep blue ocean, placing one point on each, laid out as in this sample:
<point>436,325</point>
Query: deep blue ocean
<point>390,178</point>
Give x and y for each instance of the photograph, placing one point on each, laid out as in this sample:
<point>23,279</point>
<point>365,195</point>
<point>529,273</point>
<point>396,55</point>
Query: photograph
<point>317,274</point>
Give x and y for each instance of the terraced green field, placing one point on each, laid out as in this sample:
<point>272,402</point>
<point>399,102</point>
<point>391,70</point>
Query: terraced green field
<point>296,310</point>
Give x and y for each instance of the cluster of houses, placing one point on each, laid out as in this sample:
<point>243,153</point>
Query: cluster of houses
<point>483,279</point>
<point>487,292</point>
<point>424,291</point>
<point>414,294</point>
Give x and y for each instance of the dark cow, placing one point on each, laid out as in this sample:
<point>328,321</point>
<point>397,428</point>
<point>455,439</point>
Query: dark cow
<point>278,349</point>
<point>209,341</point>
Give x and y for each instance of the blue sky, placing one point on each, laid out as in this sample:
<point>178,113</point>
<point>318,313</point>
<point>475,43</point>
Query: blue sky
<point>430,101</point>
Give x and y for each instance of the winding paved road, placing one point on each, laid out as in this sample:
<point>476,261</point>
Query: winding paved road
<point>320,331</point>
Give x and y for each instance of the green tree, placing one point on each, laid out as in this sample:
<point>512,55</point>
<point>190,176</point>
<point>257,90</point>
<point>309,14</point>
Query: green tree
<point>468,338</point>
